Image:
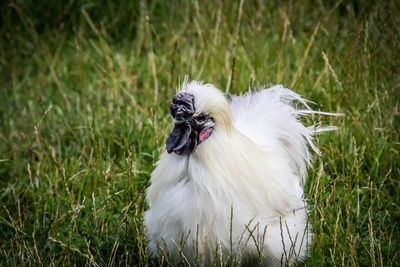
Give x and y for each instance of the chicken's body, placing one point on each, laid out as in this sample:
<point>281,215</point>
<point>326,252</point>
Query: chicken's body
<point>239,192</point>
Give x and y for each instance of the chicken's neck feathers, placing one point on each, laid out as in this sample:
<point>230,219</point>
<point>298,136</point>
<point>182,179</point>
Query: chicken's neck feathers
<point>241,168</point>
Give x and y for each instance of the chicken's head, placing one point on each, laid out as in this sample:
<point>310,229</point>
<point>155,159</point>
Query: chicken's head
<point>196,111</point>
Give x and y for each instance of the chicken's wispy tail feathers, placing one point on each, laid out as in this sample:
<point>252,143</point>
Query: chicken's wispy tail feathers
<point>317,128</point>
<point>273,116</point>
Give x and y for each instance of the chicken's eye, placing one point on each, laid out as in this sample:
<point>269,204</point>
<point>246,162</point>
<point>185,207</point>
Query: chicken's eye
<point>201,117</point>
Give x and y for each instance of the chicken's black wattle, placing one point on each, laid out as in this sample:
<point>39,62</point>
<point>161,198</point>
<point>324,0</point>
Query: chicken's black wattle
<point>182,140</point>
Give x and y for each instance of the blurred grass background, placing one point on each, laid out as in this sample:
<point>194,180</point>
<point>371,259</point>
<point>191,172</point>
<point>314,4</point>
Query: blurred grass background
<point>84,94</point>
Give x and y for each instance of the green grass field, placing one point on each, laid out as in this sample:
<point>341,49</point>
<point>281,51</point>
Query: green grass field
<point>84,94</point>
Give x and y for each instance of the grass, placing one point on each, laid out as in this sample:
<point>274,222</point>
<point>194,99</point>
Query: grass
<point>85,90</point>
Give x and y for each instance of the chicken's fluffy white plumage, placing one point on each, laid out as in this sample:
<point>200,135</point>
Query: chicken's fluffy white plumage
<point>240,191</point>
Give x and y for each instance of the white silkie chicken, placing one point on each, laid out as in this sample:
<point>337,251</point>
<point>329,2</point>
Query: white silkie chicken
<point>229,186</point>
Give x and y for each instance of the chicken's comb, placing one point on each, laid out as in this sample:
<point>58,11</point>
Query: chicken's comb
<point>182,106</point>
